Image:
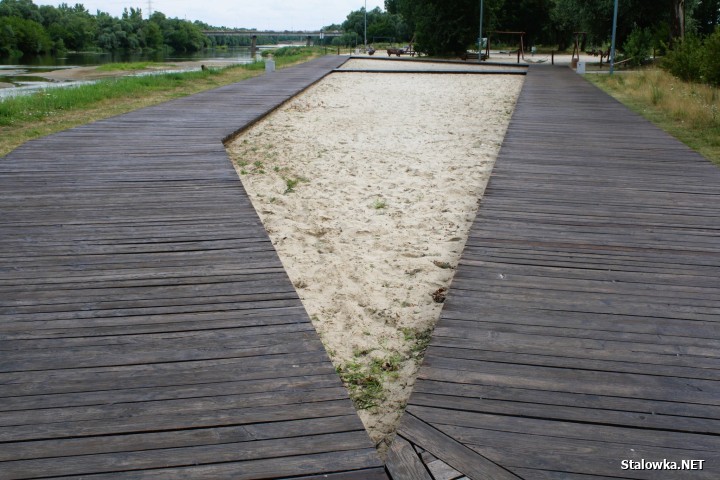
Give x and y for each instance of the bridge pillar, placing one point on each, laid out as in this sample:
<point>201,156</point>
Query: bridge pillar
<point>253,46</point>
<point>309,41</point>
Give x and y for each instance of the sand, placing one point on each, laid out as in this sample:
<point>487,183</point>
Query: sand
<point>386,173</point>
<point>422,65</point>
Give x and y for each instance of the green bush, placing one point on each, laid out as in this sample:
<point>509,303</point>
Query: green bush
<point>711,58</point>
<point>638,46</point>
<point>686,60</point>
<point>288,52</point>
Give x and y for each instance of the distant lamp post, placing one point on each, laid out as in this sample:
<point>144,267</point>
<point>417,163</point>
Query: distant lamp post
<point>612,44</point>
<point>480,39</point>
<point>365,25</point>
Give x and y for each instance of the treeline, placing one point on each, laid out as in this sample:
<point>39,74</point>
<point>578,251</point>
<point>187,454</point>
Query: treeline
<point>26,28</point>
<point>451,26</point>
<point>381,27</point>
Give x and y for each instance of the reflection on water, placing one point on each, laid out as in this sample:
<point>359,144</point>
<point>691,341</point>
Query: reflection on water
<point>89,58</point>
<point>14,71</point>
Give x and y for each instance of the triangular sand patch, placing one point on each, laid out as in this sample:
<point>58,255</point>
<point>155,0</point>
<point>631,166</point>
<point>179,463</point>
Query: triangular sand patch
<point>367,185</point>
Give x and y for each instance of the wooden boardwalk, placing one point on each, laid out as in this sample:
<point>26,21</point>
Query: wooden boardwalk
<point>147,327</point>
<point>582,326</point>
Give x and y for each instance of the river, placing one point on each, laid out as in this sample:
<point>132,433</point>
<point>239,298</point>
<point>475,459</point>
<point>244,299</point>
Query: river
<point>14,72</point>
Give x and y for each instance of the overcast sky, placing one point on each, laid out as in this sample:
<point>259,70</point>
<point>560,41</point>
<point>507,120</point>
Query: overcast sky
<point>260,14</point>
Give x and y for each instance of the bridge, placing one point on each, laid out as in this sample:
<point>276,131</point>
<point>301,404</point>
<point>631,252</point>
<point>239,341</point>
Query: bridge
<point>254,34</point>
<point>269,33</point>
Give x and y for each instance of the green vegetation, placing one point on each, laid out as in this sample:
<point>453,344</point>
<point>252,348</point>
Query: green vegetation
<point>443,27</point>
<point>26,117</point>
<point>114,67</point>
<point>365,375</point>
<point>288,51</point>
<point>638,46</point>
<point>29,108</point>
<point>382,28</point>
<point>695,59</point>
<point>291,183</point>
<point>26,28</point>
<point>365,380</point>
<point>379,204</point>
<point>688,111</point>
<point>418,341</point>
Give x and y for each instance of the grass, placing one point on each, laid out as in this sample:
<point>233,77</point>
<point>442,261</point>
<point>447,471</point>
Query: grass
<point>379,204</point>
<point>115,67</point>
<point>27,117</point>
<point>688,111</point>
<point>364,377</point>
<point>291,183</point>
<point>418,340</point>
<point>365,380</point>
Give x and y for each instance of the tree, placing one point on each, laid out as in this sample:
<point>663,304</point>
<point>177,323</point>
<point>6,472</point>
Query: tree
<point>678,18</point>
<point>25,36</point>
<point>183,36</point>
<point>379,24</point>
<point>153,36</point>
<point>706,16</point>
<point>24,9</point>
<point>529,16</point>
<point>8,43</point>
<point>446,26</point>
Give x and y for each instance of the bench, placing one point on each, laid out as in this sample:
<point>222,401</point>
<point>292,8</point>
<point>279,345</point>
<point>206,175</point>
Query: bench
<point>401,51</point>
<point>472,56</point>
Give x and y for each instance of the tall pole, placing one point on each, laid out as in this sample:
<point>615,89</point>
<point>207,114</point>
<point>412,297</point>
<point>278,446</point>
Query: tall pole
<point>481,37</point>
<point>365,25</point>
<point>612,45</point>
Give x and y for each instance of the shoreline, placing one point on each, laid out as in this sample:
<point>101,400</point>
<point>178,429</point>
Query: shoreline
<point>92,73</point>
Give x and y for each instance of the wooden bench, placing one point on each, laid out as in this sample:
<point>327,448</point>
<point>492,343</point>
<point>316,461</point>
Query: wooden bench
<point>401,51</point>
<point>472,56</point>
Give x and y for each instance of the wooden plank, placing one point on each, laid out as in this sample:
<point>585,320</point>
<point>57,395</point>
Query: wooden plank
<point>461,458</point>
<point>174,439</point>
<point>193,456</point>
<point>354,461</point>
<point>367,474</point>
<point>581,326</point>
<point>403,462</point>
<point>147,326</point>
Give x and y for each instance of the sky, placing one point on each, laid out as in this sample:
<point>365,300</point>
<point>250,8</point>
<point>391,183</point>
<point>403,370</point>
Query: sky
<point>260,14</point>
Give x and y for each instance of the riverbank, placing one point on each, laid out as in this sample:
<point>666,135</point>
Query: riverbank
<point>52,110</point>
<point>99,72</point>
<point>367,185</point>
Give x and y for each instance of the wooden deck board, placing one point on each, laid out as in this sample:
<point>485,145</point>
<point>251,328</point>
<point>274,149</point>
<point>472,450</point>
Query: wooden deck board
<point>147,327</point>
<point>581,328</point>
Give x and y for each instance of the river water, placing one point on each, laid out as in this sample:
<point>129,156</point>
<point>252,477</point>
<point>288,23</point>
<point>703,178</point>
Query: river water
<point>14,72</point>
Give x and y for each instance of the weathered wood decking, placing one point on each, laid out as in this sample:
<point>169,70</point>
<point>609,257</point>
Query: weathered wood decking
<point>147,327</point>
<point>582,326</point>
<point>148,330</point>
